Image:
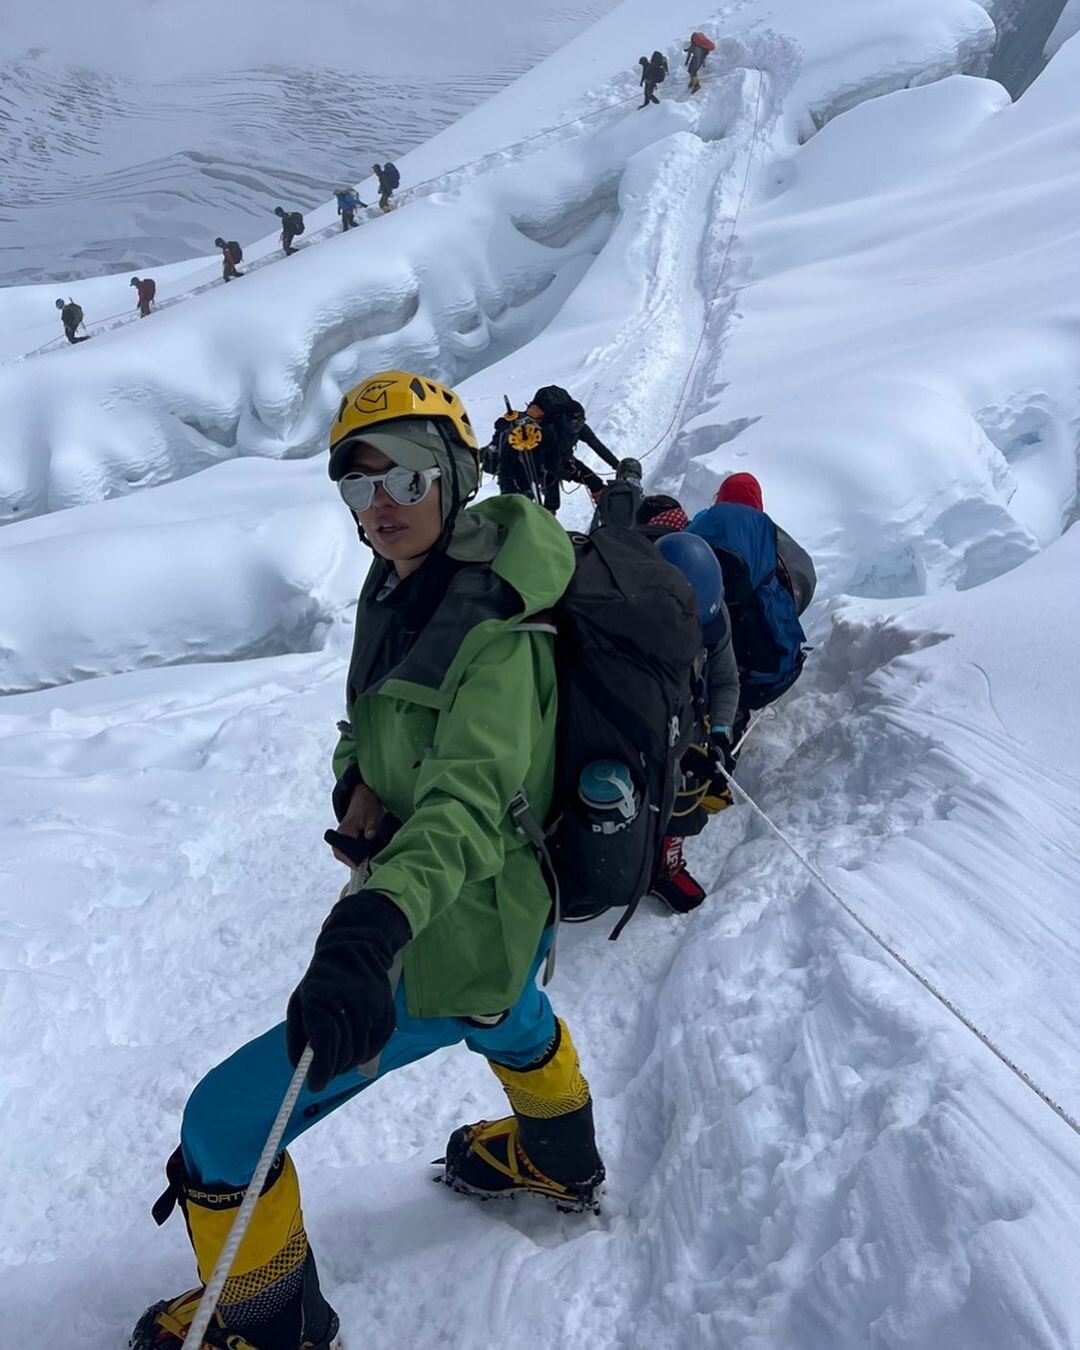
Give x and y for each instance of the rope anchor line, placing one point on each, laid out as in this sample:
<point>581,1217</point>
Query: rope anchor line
<point>906,965</point>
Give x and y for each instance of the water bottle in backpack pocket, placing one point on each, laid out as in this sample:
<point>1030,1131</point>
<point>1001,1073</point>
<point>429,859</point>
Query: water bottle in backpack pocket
<point>627,638</point>
<point>604,840</point>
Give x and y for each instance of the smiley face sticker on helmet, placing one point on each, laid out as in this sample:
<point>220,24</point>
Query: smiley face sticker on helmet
<point>373,396</point>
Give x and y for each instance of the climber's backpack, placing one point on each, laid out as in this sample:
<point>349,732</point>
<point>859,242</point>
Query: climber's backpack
<point>627,638</point>
<point>765,628</point>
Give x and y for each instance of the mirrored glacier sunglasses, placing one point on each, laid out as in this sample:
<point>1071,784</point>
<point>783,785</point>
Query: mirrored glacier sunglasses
<point>407,487</point>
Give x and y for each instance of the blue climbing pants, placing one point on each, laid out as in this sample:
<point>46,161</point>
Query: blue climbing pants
<point>230,1112</point>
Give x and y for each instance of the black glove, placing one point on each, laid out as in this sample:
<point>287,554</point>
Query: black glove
<point>722,751</point>
<point>705,762</point>
<point>699,762</point>
<point>344,1005</point>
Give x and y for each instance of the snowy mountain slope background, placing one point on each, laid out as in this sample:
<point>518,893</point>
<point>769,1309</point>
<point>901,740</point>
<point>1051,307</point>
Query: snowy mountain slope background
<point>879,318</point>
<point>131,143</point>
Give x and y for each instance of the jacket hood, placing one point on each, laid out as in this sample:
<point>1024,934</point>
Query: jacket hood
<point>743,489</point>
<point>531,550</point>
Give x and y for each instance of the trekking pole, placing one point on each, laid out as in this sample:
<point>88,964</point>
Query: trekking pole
<point>359,853</point>
<point>216,1283</point>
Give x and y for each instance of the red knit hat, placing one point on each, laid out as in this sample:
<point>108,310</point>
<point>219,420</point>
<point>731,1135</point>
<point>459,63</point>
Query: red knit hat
<point>673,519</point>
<point>741,488</point>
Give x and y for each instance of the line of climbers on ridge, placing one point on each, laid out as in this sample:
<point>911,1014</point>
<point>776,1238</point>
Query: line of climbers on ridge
<point>232,254</point>
<point>534,720</point>
<point>292,222</point>
<point>654,71</point>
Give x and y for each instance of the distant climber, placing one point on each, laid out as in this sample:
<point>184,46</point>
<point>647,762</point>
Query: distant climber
<point>697,49</point>
<point>533,452</point>
<point>654,70</point>
<point>71,316</point>
<point>146,289</point>
<point>769,581</point>
<point>389,182</point>
<point>292,225</point>
<point>347,202</point>
<point>231,254</point>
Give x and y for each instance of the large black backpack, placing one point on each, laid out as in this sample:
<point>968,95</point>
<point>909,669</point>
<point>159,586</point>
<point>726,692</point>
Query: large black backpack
<point>296,220</point>
<point>659,67</point>
<point>235,249</point>
<point>391,174</point>
<point>627,637</point>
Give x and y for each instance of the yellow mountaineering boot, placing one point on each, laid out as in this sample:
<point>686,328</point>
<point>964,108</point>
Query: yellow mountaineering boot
<point>547,1147</point>
<point>271,1300</point>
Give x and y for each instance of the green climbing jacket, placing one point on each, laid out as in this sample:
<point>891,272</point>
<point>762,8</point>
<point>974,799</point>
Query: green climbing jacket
<point>445,739</point>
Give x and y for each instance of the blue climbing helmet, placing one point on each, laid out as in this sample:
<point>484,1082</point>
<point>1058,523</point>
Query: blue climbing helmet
<point>699,565</point>
<point>134,281</point>
<point>59,304</point>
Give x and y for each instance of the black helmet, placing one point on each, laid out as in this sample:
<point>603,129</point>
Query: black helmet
<point>59,304</point>
<point>219,243</point>
<point>279,210</point>
<point>134,281</point>
<point>655,505</point>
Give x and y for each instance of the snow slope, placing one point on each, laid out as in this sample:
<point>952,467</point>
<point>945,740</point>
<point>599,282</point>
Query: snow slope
<point>806,1151</point>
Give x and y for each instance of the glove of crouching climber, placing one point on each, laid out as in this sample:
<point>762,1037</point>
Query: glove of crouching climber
<point>344,1005</point>
<point>722,751</point>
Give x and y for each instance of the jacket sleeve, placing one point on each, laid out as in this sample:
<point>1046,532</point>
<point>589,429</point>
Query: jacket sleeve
<point>593,441</point>
<point>722,678</point>
<point>483,747</point>
<point>800,568</point>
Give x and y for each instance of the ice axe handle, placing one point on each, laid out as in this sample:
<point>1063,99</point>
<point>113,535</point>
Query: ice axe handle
<point>358,851</point>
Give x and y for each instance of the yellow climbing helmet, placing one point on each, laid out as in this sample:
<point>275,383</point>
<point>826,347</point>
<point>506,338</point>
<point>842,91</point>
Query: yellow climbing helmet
<point>390,396</point>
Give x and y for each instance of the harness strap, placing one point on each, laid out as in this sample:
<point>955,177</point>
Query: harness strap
<point>527,825</point>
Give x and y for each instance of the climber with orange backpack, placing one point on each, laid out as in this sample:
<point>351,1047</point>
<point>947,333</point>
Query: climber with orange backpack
<point>697,49</point>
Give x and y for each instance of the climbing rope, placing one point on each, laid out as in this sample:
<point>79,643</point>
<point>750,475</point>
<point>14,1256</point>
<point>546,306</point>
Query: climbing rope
<point>905,964</point>
<point>216,1283</point>
<point>692,365</point>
